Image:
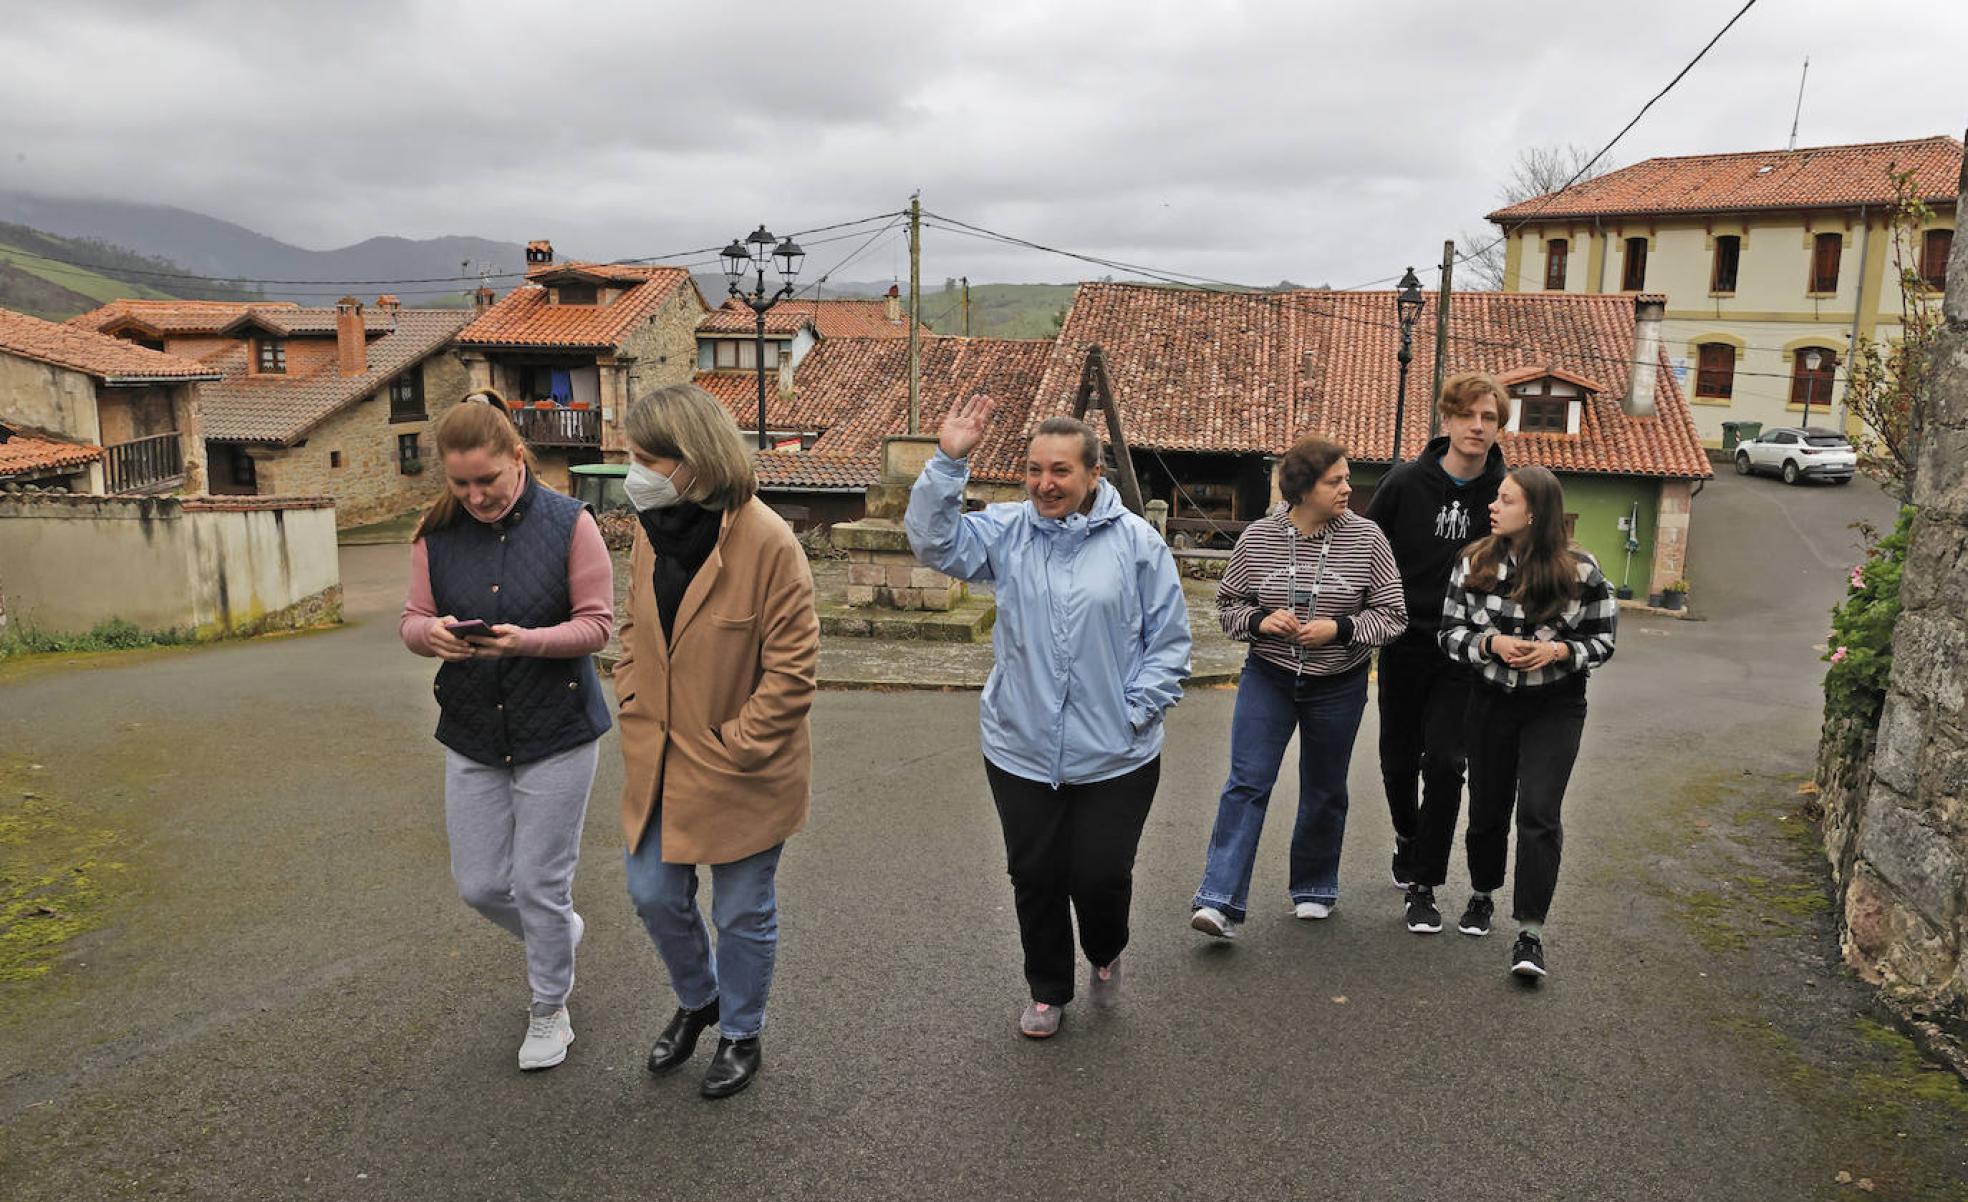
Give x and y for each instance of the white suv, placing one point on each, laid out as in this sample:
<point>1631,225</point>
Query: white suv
<point>1798,454</point>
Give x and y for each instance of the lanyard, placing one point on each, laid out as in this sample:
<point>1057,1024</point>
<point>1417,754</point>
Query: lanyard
<point>1318,580</point>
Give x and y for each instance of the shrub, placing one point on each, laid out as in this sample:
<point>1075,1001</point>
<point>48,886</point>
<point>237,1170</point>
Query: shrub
<point>1860,649</point>
<point>113,635</point>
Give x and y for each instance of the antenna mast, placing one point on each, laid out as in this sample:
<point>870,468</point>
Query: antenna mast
<point>1800,102</point>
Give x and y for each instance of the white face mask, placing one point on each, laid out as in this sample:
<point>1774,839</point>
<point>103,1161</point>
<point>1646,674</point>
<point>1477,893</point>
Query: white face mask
<point>649,489</point>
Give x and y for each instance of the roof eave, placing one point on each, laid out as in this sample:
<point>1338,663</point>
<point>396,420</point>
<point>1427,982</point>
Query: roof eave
<point>1502,217</point>
<point>137,381</point>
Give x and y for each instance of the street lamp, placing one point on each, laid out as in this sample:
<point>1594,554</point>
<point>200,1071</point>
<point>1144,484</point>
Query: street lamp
<point>1408,304</point>
<point>754,253</point>
<point>1812,359</point>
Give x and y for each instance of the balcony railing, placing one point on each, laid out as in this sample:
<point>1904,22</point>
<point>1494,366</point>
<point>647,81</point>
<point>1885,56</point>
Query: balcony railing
<point>559,427</point>
<point>143,463</point>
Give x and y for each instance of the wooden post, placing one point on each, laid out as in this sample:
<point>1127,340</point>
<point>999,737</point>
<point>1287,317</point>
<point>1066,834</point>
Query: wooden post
<point>915,313</point>
<point>1095,389</point>
<point>1441,338</point>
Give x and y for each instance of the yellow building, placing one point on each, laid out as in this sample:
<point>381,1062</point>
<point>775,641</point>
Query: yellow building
<point>1771,262</point>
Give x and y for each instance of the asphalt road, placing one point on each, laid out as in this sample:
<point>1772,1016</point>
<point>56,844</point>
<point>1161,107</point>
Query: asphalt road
<point>287,999</point>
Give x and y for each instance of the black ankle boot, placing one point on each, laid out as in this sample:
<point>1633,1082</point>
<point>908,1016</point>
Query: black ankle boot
<point>679,1039</point>
<point>733,1066</point>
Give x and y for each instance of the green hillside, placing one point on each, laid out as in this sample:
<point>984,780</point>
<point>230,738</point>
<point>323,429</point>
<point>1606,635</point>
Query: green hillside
<point>998,310</point>
<point>39,274</point>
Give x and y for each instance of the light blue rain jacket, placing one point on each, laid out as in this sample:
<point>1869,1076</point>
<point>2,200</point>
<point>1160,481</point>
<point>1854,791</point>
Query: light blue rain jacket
<point>1092,636</point>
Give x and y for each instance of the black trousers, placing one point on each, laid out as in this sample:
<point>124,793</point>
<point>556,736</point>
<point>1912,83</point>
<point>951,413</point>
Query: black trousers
<point>1521,750</point>
<point>1424,717</point>
<point>1070,851</point>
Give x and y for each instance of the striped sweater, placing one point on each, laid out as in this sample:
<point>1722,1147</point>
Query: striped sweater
<point>1587,625</point>
<point>1347,574</point>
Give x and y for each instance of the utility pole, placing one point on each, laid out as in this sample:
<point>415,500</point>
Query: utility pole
<point>915,313</point>
<point>1441,337</point>
<point>1798,115</point>
<point>966,306</point>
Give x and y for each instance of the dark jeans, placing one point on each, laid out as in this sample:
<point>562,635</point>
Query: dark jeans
<point>1521,750</point>
<point>1424,718</point>
<point>1271,704</point>
<point>1070,851</point>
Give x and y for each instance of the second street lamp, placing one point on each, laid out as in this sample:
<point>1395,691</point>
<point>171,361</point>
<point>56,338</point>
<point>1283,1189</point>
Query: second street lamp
<point>758,250</point>
<point>1408,303</point>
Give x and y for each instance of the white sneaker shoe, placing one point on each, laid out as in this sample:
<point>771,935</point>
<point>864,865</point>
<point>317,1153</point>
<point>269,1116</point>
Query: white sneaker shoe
<point>547,1037</point>
<point>1212,921</point>
<point>580,927</point>
<point>1311,910</point>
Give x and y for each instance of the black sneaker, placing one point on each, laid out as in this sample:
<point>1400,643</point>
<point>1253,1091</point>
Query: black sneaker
<point>1423,917</point>
<point>1475,918</point>
<point>1527,956</point>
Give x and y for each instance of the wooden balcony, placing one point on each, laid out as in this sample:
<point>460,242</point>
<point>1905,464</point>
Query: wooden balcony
<point>144,464</point>
<point>559,427</point>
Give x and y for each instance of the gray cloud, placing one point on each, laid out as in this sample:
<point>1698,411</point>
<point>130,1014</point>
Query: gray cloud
<point>1323,142</point>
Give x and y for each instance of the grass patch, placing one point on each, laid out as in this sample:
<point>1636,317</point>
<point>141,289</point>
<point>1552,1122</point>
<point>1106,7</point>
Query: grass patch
<point>113,635</point>
<point>54,874</point>
<point>1910,1077</point>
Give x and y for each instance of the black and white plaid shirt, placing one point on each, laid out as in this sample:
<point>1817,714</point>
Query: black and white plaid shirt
<point>1586,625</point>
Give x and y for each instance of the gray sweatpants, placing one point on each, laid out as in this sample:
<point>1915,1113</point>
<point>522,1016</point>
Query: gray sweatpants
<point>515,836</point>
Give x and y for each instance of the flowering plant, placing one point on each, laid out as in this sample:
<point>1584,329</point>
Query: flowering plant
<point>1860,646</point>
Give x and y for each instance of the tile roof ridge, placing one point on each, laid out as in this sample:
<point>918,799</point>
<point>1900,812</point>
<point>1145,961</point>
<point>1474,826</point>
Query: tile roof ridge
<point>1716,155</point>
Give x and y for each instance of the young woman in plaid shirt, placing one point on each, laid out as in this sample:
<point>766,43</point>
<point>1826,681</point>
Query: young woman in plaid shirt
<point>1534,614</point>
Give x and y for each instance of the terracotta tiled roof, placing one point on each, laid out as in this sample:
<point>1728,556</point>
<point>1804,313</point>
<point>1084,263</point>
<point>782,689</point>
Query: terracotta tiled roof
<point>1250,373</point>
<point>524,318</point>
<point>246,407</point>
<point>112,360</point>
<point>26,451</point>
<point>831,318</point>
<point>1814,177</point>
<point>177,318</point>
<point>816,471</point>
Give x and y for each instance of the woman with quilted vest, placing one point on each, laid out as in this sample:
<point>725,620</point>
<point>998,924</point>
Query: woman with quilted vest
<point>511,586</point>
<point>720,661</point>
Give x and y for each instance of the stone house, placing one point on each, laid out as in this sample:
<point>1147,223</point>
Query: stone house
<point>1771,263</point>
<point>573,345</point>
<point>128,414</point>
<point>31,458</point>
<point>727,348</point>
<point>332,402</point>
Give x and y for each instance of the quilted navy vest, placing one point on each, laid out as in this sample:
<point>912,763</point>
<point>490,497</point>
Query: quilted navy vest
<point>514,709</point>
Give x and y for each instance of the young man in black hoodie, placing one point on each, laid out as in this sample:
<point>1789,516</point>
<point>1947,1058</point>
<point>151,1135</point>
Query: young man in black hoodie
<point>1430,509</point>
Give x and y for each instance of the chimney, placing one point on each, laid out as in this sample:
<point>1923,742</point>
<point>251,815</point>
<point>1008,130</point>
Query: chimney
<point>351,339</point>
<point>539,251</point>
<point>1647,312</point>
<point>786,376</point>
<point>895,304</point>
<point>482,298</point>
<point>388,303</point>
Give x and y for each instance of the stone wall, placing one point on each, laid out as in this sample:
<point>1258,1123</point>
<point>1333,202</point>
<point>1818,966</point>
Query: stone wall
<point>369,486</point>
<point>1898,834</point>
<point>209,566</point>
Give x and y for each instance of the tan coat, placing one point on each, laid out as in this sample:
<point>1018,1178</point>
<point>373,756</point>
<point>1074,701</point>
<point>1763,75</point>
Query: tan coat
<point>714,728</point>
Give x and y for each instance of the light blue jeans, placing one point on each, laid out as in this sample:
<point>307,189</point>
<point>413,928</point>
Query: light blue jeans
<point>745,910</point>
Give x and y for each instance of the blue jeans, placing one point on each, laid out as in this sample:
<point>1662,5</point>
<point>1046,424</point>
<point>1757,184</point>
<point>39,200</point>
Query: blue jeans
<point>745,908</point>
<point>1271,704</point>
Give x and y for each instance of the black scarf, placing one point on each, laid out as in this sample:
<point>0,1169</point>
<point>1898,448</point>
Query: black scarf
<point>682,536</point>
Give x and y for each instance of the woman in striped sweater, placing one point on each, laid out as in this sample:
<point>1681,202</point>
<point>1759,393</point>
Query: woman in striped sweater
<point>1534,615</point>
<point>1313,589</point>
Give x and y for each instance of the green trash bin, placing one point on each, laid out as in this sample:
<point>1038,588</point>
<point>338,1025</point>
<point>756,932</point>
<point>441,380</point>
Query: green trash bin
<point>1747,431</point>
<point>1729,434</point>
<point>600,485</point>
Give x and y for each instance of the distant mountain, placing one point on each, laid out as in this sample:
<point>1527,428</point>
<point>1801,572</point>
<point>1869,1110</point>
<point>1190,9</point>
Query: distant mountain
<point>207,246</point>
<point>38,276</point>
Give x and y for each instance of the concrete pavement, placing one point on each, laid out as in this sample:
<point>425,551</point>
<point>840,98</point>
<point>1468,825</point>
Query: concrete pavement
<point>287,999</point>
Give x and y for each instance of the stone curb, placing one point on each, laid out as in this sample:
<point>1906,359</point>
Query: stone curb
<point>1928,1036</point>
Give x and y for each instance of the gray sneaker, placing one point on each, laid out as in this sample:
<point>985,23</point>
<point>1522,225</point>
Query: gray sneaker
<point>1212,921</point>
<point>1104,988</point>
<point>1040,1021</point>
<point>547,1037</point>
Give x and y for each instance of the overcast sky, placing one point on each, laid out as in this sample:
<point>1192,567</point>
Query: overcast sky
<point>1332,142</point>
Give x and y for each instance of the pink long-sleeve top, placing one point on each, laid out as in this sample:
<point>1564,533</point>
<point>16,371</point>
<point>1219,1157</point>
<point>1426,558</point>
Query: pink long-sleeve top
<point>590,587</point>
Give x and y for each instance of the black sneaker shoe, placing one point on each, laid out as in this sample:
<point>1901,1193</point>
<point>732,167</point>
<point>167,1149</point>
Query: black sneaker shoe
<point>1423,917</point>
<point>1527,956</point>
<point>1475,918</point>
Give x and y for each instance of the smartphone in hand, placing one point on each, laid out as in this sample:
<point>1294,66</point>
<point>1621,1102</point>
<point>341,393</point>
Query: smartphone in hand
<point>472,628</point>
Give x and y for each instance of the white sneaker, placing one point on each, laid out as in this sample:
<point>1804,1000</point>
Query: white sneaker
<point>580,927</point>
<point>1311,910</point>
<point>547,1037</point>
<point>1212,921</point>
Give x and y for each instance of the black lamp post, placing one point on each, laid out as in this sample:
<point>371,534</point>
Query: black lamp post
<point>1408,304</point>
<point>1813,359</point>
<point>753,254</point>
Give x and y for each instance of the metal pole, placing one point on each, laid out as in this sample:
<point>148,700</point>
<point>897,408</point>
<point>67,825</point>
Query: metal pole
<point>1441,338</point>
<point>761,366</point>
<point>1858,311</point>
<point>1401,398</point>
<point>966,306</point>
<point>915,313</point>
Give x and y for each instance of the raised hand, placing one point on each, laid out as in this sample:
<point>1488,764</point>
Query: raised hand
<point>963,426</point>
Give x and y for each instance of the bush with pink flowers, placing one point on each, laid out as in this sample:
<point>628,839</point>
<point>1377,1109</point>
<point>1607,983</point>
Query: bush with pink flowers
<point>1860,647</point>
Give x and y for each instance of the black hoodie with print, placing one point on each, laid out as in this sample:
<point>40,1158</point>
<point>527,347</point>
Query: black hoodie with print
<point>1429,518</point>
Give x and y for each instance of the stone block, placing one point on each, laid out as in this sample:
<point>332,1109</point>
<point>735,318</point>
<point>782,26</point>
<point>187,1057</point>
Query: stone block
<point>889,501</point>
<point>903,457</point>
<point>866,573</point>
<point>1928,648</point>
<point>1937,565</point>
<point>1942,488</point>
<point>937,599</point>
<point>1921,867</point>
<point>928,578</point>
<point>905,598</point>
<point>860,594</point>
<point>899,575</point>
<point>870,536</point>
<point>1901,739</point>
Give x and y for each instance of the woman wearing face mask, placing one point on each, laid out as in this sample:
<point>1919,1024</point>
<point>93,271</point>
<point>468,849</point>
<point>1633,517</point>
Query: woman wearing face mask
<point>1534,614</point>
<point>1091,644</point>
<point>511,586</point>
<point>1313,589</point>
<point>720,650</point>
